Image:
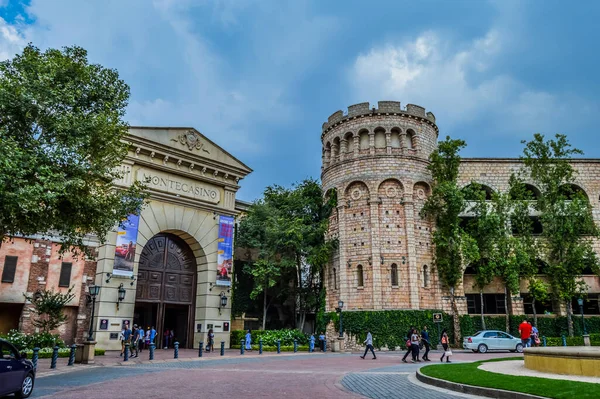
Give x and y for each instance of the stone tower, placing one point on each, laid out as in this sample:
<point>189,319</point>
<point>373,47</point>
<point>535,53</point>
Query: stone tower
<point>375,160</point>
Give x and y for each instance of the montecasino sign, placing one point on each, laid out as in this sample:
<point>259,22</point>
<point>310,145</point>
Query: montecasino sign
<point>180,186</point>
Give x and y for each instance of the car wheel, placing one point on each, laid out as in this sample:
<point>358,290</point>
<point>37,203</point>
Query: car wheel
<point>26,387</point>
<point>482,348</point>
<point>519,348</point>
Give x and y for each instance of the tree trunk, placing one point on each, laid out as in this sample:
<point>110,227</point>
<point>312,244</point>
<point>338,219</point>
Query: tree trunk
<point>506,313</point>
<point>455,319</point>
<point>534,312</point>
<point>302,321</point>
<point>264,320</point>
<point>482,318</point>
<point>569,318</point>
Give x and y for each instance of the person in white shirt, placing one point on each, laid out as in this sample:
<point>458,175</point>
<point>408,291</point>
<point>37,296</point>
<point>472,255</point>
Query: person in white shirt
<point>369,343</point>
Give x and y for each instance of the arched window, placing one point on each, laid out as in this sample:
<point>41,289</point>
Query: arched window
<point>359,275</point>
<point>409,139</point>
<point>334,279</point>
<point>394,275</point>
<point>425,276</point>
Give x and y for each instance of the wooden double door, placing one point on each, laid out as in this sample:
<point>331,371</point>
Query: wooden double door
<point>166,289</point>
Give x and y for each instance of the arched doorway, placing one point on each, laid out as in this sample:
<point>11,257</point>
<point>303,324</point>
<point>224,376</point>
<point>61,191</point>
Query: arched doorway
<point>166,288</point>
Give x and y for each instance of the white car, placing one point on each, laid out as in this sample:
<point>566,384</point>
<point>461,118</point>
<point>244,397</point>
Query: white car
<point>492,340</point>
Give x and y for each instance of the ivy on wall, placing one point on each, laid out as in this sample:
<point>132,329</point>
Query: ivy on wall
<point>388,327</point>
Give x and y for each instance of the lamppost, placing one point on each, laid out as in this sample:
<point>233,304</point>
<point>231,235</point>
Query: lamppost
<point>340,307</point>
<point>94,291</point>
<point>580,303</point>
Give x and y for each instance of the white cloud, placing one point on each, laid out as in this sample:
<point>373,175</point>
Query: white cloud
<point>178,76</point>
<point>458,83</point>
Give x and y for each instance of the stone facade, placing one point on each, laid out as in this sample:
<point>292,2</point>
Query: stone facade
<point>376,159</point>
<point>191,182</point>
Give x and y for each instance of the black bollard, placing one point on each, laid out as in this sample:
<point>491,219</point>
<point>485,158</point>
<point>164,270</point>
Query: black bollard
<point>278,346</point>
<point>241,346</point>
<point>222,348</point>
<point>260,346</point>
<point>36,356</point>
<point>151,352</point>
<point>176,353</point>
<point>544,340</point>
<point>126,353</point>
<point>564,340</point>
<point>54,357</point>
<point>324,345</point>
<point>72,355</point>
<point>200,349</point>
<point>295,346</point>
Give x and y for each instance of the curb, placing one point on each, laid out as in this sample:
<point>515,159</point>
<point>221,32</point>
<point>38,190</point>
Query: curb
<point>474,390</point>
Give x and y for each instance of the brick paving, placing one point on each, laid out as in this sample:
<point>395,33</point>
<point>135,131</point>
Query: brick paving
<point>269,375</point>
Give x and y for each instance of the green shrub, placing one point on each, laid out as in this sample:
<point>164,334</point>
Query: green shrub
<point>29,341</point>
<point>389,327</point>
<point>286,348</point>
<point>548,326</point>
<point>270,337</point>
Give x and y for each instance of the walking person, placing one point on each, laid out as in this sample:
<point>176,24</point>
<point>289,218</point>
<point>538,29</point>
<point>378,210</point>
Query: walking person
<point>535,336</point>
<point>447,352</point>
<point>426,344</point>
<point>211,341</point>
<point>167,336</point>
<point>525,331</point>
<point>140,337</point>
<point>134,341</point>
<point>408,346</point>
<point>152,335</point>
<point>147,337</point>
<point>248,341</point>
<point>414,345</point>
<point>369,343</point>
<point>126,338</point>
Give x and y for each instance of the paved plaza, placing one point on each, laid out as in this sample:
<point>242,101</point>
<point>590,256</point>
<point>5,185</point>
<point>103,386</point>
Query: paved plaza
<point>271,375</point>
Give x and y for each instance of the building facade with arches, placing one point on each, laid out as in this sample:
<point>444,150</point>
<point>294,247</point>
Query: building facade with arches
<point>173,280</point>
<point>375,161</point>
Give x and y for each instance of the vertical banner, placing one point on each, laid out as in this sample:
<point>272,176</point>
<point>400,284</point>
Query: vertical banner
<point>225,251</point>
<point>126,243</point>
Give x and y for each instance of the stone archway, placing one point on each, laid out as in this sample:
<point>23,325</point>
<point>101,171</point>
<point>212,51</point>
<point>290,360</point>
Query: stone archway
<point>165,295</point>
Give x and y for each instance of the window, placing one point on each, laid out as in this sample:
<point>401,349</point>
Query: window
<point>334,279</point>
<point>394,275</point>
<point>65,274</point>
<point>10,267</point>
<point>492,304</point>
<point>425,276</point>
<point>359,275</point>
<point>540,308</point>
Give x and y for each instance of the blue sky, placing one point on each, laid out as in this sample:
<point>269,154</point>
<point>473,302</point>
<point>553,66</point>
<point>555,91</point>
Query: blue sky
<point>259,77</point>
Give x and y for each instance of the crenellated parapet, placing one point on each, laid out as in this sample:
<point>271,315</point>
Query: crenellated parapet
<point>383,108</point>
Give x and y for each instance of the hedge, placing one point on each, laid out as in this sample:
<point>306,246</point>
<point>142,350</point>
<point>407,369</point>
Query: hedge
<point>270,337</point>
<point>389,327</point>
<point>572,341</point>
<point>46,353</point>
<point>548,326</point>
<point>286,348</point>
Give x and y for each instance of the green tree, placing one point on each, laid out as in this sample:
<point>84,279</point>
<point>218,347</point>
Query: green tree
<point>61,143</point>
<point>539,293</point>
<point>48,308</point>
<point>453,246</point>
<point>565,215</point>
<point>287,227</point>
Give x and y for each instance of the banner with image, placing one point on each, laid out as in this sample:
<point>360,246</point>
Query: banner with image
<point>126,244</point>
<point>225,251</point>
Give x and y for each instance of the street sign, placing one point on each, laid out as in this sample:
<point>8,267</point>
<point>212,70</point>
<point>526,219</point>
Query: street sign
<point>437,317</point>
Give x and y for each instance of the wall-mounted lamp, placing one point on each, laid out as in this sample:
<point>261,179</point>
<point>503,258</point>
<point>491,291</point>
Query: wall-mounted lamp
<point>223,301</point>
<point>121,295</point>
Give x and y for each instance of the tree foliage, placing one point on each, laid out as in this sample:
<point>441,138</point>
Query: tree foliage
<point>61,143</point>
<point>287,229</point>
<point>453,246</point>
<point>48,308</point>
<point>565,215</point>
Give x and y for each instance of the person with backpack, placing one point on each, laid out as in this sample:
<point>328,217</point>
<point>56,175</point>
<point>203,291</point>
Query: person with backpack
<point>408,344</point>
<point>425,342</point>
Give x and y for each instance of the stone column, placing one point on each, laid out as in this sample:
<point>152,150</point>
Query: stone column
<point>403,142</point>
<point>342,275</point>
<point>343,149</point>
<point>371,143</point>
<point>375,252</point>
<point>413,275</point>
<point>388,142</point>
<point>356,145</point>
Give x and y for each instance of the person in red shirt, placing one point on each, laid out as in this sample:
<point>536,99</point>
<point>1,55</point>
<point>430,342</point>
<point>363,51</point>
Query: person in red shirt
<point>525,331</point>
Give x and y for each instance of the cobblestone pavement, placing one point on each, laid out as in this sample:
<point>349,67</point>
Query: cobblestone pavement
<point>251,376</point>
